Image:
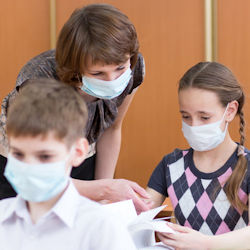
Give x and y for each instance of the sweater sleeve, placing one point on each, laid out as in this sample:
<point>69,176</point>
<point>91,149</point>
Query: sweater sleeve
<point>41,66</point>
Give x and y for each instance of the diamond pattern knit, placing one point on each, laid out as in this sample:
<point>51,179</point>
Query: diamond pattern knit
<point>198,198</point>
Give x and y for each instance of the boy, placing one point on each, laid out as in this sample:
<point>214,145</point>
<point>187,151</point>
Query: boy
<point>45,127</point>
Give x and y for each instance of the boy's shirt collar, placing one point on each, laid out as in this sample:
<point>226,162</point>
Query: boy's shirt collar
<point>65,208</point>
<point>17,207</point>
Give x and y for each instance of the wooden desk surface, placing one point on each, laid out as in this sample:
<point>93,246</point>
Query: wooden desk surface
<point>169,206</point>
<point>168,210</point>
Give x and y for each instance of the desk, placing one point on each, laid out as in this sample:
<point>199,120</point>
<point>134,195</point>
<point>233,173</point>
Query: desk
<point>167,211</point>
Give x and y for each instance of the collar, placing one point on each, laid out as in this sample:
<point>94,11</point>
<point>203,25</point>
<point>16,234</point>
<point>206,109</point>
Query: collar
<point>66,207</point>
<point>13,206</point>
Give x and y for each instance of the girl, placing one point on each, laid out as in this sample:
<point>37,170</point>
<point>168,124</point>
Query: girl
<point>208,184</point>
<point>97,53</point>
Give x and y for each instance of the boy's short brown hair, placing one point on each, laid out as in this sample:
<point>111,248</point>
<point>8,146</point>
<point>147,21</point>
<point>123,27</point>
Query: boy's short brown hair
<point>99,32</point>
<point>47,105</point>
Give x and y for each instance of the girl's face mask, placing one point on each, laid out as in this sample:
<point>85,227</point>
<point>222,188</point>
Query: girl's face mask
<point>205,137</point>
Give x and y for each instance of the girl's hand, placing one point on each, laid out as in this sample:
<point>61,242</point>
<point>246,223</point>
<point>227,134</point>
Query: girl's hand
<point>186,238</point>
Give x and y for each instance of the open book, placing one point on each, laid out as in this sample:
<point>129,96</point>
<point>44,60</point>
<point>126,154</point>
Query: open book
<point>141,227</point>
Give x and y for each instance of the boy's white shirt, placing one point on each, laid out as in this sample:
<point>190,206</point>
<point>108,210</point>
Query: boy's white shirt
<point>75,222</point>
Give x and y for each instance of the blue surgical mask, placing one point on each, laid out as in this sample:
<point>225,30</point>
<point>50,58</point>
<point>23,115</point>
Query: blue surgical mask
<point>36,182</point>
<point>106,89</point>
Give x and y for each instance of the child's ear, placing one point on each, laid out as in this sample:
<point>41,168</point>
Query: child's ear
<point>232,110</point>
<point>81,148</point>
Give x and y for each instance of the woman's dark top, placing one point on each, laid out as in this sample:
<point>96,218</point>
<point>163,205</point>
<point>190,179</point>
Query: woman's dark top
<point>101,113</point>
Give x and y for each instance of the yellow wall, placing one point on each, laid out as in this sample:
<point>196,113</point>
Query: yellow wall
<point>24,32</point>
<point>171,35</point>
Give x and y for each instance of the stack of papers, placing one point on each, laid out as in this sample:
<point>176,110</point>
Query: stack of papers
<point>141,227</point>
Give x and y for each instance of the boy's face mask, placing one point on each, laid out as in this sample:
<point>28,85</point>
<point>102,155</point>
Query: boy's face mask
<point>36,182</point>
<point>205,137</point>
<point>106,89</point>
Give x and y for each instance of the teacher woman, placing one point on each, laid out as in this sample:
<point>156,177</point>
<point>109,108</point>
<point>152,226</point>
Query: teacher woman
<point>97,54</point>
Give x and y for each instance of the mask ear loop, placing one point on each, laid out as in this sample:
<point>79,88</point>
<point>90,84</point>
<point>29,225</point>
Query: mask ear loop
<point>224,117</point>
<point>79,77</point>
<point>67,161</point>
<point>241,148</point>
<point>225,111</point>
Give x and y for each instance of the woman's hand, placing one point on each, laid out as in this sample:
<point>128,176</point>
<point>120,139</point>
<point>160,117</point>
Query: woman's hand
<point>121,189</point>
<point>113,190</point>
<point>186,238</point>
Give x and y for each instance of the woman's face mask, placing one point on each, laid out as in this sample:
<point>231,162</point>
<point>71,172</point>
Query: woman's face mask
<point>106,89</point>
<point>106,81</point>
<point>205,137</point>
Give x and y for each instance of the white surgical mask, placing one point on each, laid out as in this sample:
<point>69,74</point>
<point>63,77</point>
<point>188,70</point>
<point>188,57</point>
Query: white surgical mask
<point>106,89</point>
<point>205,137</point>
<point>36,182</point>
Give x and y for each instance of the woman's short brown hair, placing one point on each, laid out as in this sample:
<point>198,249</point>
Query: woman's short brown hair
<point>99,32</point>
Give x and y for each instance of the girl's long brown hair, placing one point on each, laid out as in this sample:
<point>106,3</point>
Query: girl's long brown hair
<point>216,77</point>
